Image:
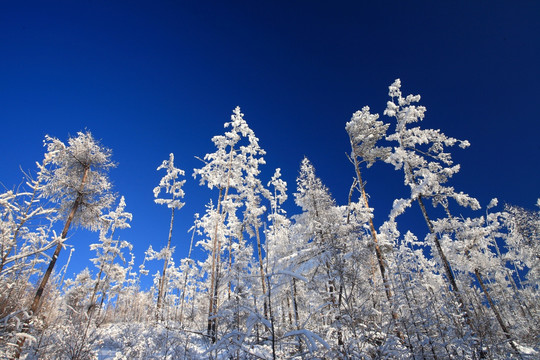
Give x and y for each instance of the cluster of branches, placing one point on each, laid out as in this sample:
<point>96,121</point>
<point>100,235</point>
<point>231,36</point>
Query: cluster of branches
<point>327,282</point>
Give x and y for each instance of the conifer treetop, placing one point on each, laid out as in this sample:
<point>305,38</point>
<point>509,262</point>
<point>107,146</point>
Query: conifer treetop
<point>170,184</point>
<point>62,171</point>
<point>364,132</point>
<point>422,152</point>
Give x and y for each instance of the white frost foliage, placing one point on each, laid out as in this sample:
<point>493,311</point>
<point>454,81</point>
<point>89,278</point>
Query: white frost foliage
<point>526,350</point>
<point>225,167</point>
<point>310,338</point>
<point>292,275</point>
<point>170,184</point>
<point>280,189</point>
<point>388,232</point>
<point>364,132</point>
<point>493,203</point>
<point>399,207</point>
<point>17,240</point>
<point>310,189</point>
<point>74,171</point>
<point>421,152</point>
<point>118,218</point>
<point>277,234</point>
<point>151,254</point>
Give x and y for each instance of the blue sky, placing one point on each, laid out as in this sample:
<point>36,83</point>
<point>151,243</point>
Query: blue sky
<point>150,78</point>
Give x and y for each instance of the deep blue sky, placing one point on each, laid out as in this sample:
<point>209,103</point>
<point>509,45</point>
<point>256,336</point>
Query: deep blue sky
<point>150,78</point>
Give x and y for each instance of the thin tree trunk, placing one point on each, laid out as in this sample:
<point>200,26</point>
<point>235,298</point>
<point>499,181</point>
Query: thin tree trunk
<point>446,264</point>
<point>216,248</point>
<point>161,295</point>
<point>65,269</point>
<point>496,312</point>
<point>521,304</point>
<point>211,290</point>
<point>296,315</point>
<point>98,282</point>
<point>423,318</point>
<point>184,285</point>
<point>412,312</point>
<point>272,328</point>
<point>439,321</point>
<point>488,297</point>
<point>379,254</point>
<point>261,269</point>
<point>289,308</point>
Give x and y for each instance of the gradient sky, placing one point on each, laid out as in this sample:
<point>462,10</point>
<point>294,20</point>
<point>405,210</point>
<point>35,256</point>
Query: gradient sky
<point>152,77</point>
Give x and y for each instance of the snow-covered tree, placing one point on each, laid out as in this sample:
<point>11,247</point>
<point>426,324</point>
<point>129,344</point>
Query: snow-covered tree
<point>365,131</point>
<point>25,236</point>
<point>420,153</point>
<point>110,274</point>
<point>524,241</point>
<point>18,208</point>
<point>75,177</point>
<point>321,236</point>
<point>278,242</point>
<point>187,267</point>
<point>324,283</point>
<point>173,187</point>
<point>230,169</point>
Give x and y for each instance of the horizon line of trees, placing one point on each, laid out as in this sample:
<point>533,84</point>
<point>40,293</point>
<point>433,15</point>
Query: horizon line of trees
<point>325,283</point>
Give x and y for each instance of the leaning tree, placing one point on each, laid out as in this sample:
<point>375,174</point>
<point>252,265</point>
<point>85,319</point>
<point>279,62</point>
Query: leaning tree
<point>75,177</point>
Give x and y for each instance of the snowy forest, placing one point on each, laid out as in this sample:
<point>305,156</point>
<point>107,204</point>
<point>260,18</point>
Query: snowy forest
<point>329,282</point>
